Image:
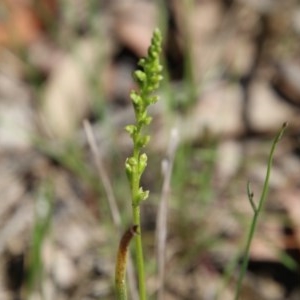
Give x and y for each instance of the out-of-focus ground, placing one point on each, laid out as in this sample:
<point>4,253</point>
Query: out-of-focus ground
<point>233,79</point>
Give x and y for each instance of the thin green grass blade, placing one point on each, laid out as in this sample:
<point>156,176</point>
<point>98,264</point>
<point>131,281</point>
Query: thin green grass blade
<point>257,210</point>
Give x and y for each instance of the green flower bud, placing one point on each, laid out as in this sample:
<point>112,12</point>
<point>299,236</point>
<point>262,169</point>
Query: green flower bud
<point>128,169</point>
<point>140,76</point>
<point>135,97</point>
<point>143,141</point>
<point>143,163</point>
<point>132,161</point>
<point>142,195</point>
<point>131,129</point>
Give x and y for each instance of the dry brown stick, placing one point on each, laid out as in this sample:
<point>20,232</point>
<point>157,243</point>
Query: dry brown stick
<point>121,263</point>
<point>161,227</point>
<point>102,174</point>
<point>111,201</point>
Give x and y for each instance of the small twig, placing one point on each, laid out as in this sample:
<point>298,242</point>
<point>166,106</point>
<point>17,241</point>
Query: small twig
<point>111,200</point>
<point>161,227</point>
<point>122,262</point>
<point>102,174</point>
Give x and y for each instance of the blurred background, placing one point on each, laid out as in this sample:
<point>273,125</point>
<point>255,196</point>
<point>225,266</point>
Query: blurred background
<point>231,78</point>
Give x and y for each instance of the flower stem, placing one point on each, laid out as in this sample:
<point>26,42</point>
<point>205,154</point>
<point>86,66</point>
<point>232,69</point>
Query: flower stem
<point>136,214</point>
<point>139,254</point>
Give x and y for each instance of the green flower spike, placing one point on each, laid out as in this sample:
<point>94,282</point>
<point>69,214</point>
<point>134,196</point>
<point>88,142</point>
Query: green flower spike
<point>147,78</point>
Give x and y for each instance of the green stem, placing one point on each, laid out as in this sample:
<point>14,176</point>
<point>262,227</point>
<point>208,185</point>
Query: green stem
<point>139,254</point>
<point>137,221</point>
<point>257,211</point>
